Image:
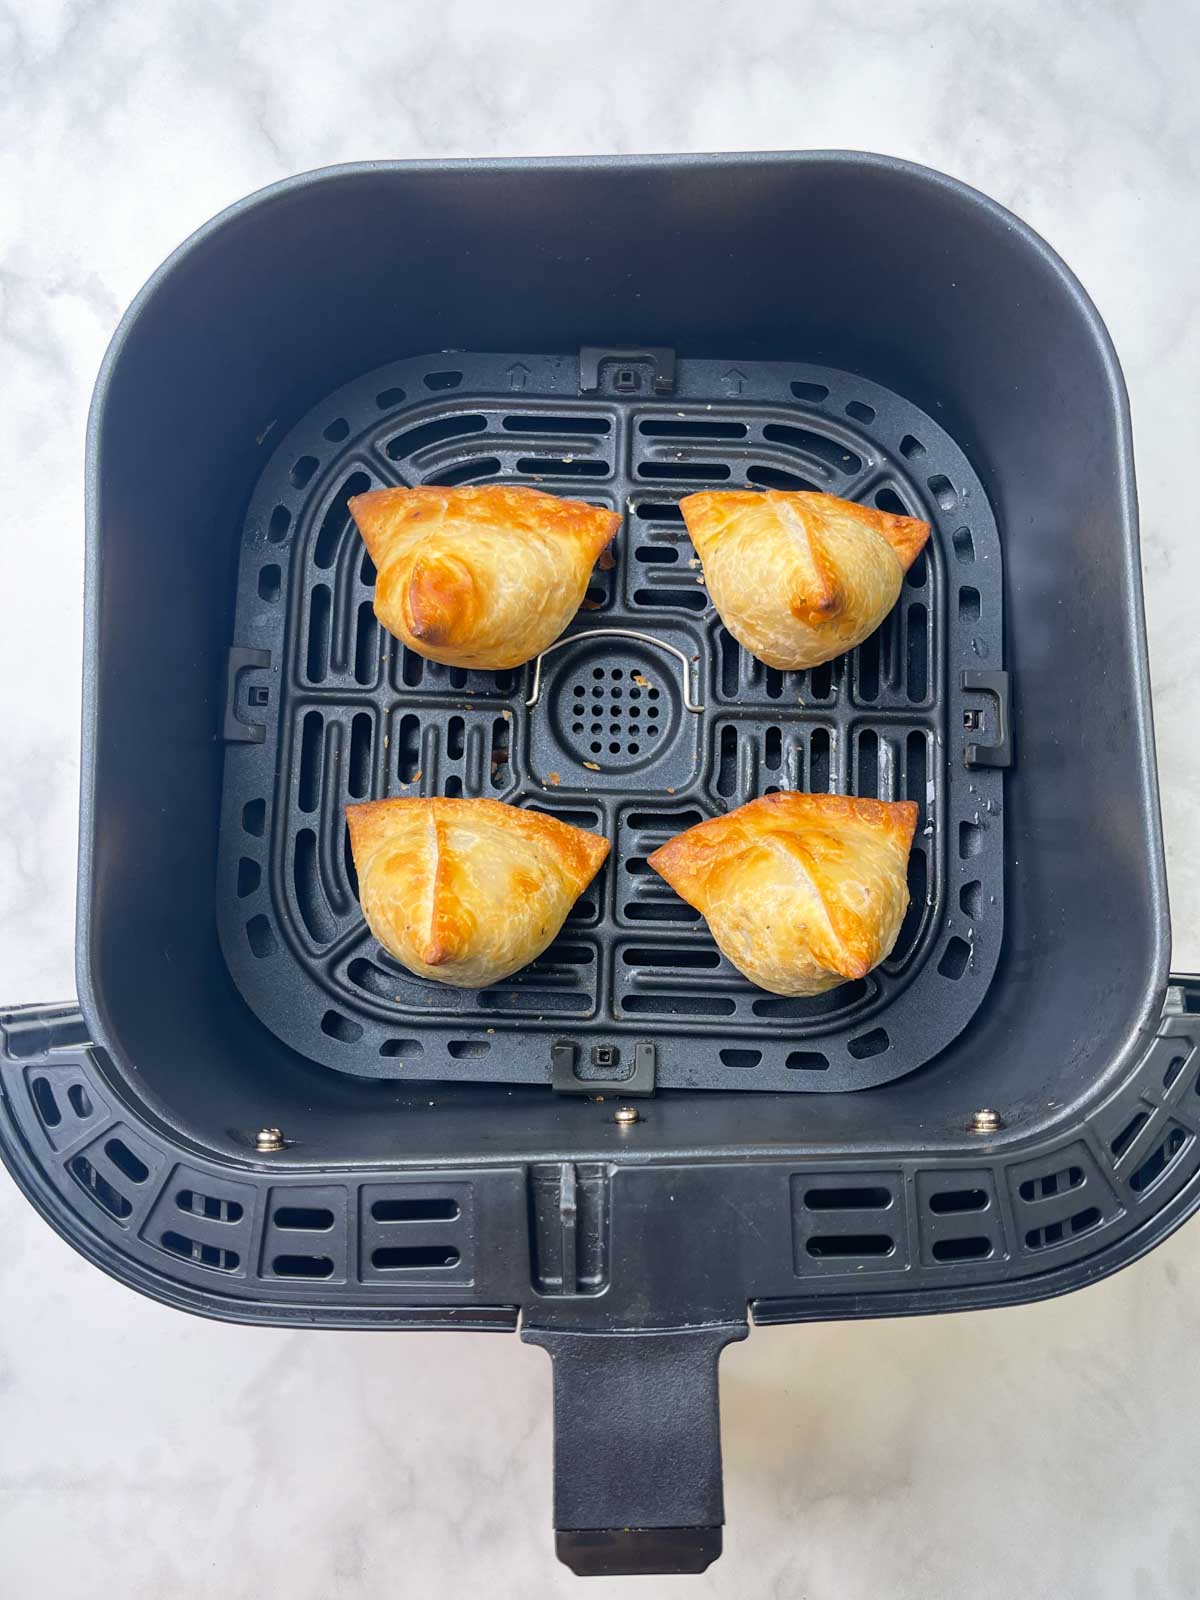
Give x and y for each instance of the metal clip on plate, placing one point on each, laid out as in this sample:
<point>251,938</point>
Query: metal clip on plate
<point>535,688</point>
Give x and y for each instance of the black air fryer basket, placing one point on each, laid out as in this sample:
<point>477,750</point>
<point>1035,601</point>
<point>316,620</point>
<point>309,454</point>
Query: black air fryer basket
<point>255,1113</point>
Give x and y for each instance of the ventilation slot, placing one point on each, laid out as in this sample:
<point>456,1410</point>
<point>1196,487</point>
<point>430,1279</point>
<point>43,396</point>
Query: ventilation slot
<point>956,958</point>
<point>662,824</point>
<point>277,527</point>
<point>814,393</point>
<point>310,897</point>
<point>964,545</point>
<point>558,425</point>
<point>1128,1134</point>
<point>651,555</point>
<point>249,876</point>
<point>430,433</point>
<point>358,768</point>
<point>401,1048</point>
<point>404,1258</point>
<point>337,430</point>
<point>911,449</point>
<point>303,1219</point>
<point>254,818</point>
<point>79,1101</point>
<point>1159,1159</point>
<point>773,749</point>
<point>302,1267</point>
<point>910,928</point>
<point>804,1008</point>
<point>389,399</point>
<point>860,411</point>
<point>776,478</point>
<point>672,429</point>
<point>443,380</point>
<point>47,1105</point>
<point>308,787</point>
<point>499,760</point>
<point>562,467</point>
<point>678,1005</point>
<point>684,957</point>
<point>366,645</point>
<point>467,472</point>
<point>659,511</point>
<point>814,444</point>
<point>319,609</point>
<point>123,1158</point>
<point>1052,1183</point>
<point>337,520</point>
<point>807,1061</point>
<point>209,1206</point>
<point>1056,1232</point>
<point>974,1249</point>
<point>741,1058</point>
<point>867,668</point>
<point>412,669</point>
<point>819,764</point>
<point>820,681</point>
<point>685,471</point>
<point>866,1199</point>
<point>970,840</point>
<point>968,605</point>
<point>917,657</point>
<point>101,1191</point>
<point>970,899</point>
<point>1173,1069</point>
<point>418,1209</point>
<point>302,472</point>
<point>889,500</point>
<point>869,1044</point>
<point>868,765</point>
<point>261,937</point>
<point>950,1202</point>
<point>199,1253</point>
<point>269,583</point>
<point>464,1049</point>
<point>676,599</point>
<point>336,1026</point>
<point>832,1246</point>
<point>942,491</point>
<point>727,761</point>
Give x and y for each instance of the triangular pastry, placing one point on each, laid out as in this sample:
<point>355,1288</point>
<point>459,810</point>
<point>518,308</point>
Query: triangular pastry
<point>801,891</point>
<point>799,578</point>
<point>467,891</point>
<point>479,577</point>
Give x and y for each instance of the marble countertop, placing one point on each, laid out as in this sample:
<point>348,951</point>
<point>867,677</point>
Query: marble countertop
<point>1045,1451</point>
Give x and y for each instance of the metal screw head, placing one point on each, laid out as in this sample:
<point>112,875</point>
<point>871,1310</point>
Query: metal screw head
<point>268,1140</point>
<point>626,1116</point>
<point>986,1121</point>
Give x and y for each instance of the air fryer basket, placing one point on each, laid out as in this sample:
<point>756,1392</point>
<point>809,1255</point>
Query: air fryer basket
<point>792,295</point>
<point>644,719</point>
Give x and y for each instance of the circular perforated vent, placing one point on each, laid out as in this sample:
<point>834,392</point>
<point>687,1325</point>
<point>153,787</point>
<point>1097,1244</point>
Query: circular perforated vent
<point>617,714</point>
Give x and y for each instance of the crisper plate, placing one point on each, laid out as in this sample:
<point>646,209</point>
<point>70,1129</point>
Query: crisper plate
<point>323,707</point>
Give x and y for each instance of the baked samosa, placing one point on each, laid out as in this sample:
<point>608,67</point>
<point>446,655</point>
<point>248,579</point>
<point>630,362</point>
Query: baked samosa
<point>799,578</point>
<point>467,891</point>
<point>801,891</point>
<point>482,577</point>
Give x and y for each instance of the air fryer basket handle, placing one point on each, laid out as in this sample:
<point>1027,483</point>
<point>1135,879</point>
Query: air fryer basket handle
<point>637,1448</point>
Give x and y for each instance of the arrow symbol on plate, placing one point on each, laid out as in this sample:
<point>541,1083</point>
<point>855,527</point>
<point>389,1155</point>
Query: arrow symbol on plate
<point>734,380</point>
<point>517,375</point>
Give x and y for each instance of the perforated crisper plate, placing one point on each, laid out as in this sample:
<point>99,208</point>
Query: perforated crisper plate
<point>324,708</point>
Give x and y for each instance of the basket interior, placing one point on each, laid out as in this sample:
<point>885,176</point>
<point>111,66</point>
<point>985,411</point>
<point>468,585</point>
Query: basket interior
<point>963,314</point>
<point>337,711</point>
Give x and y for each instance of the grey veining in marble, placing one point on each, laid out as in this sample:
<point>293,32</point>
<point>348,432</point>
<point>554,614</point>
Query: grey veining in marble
<point>1047,1451</point>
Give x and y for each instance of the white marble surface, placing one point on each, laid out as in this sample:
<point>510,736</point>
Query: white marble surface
<point>1048,1451</point>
